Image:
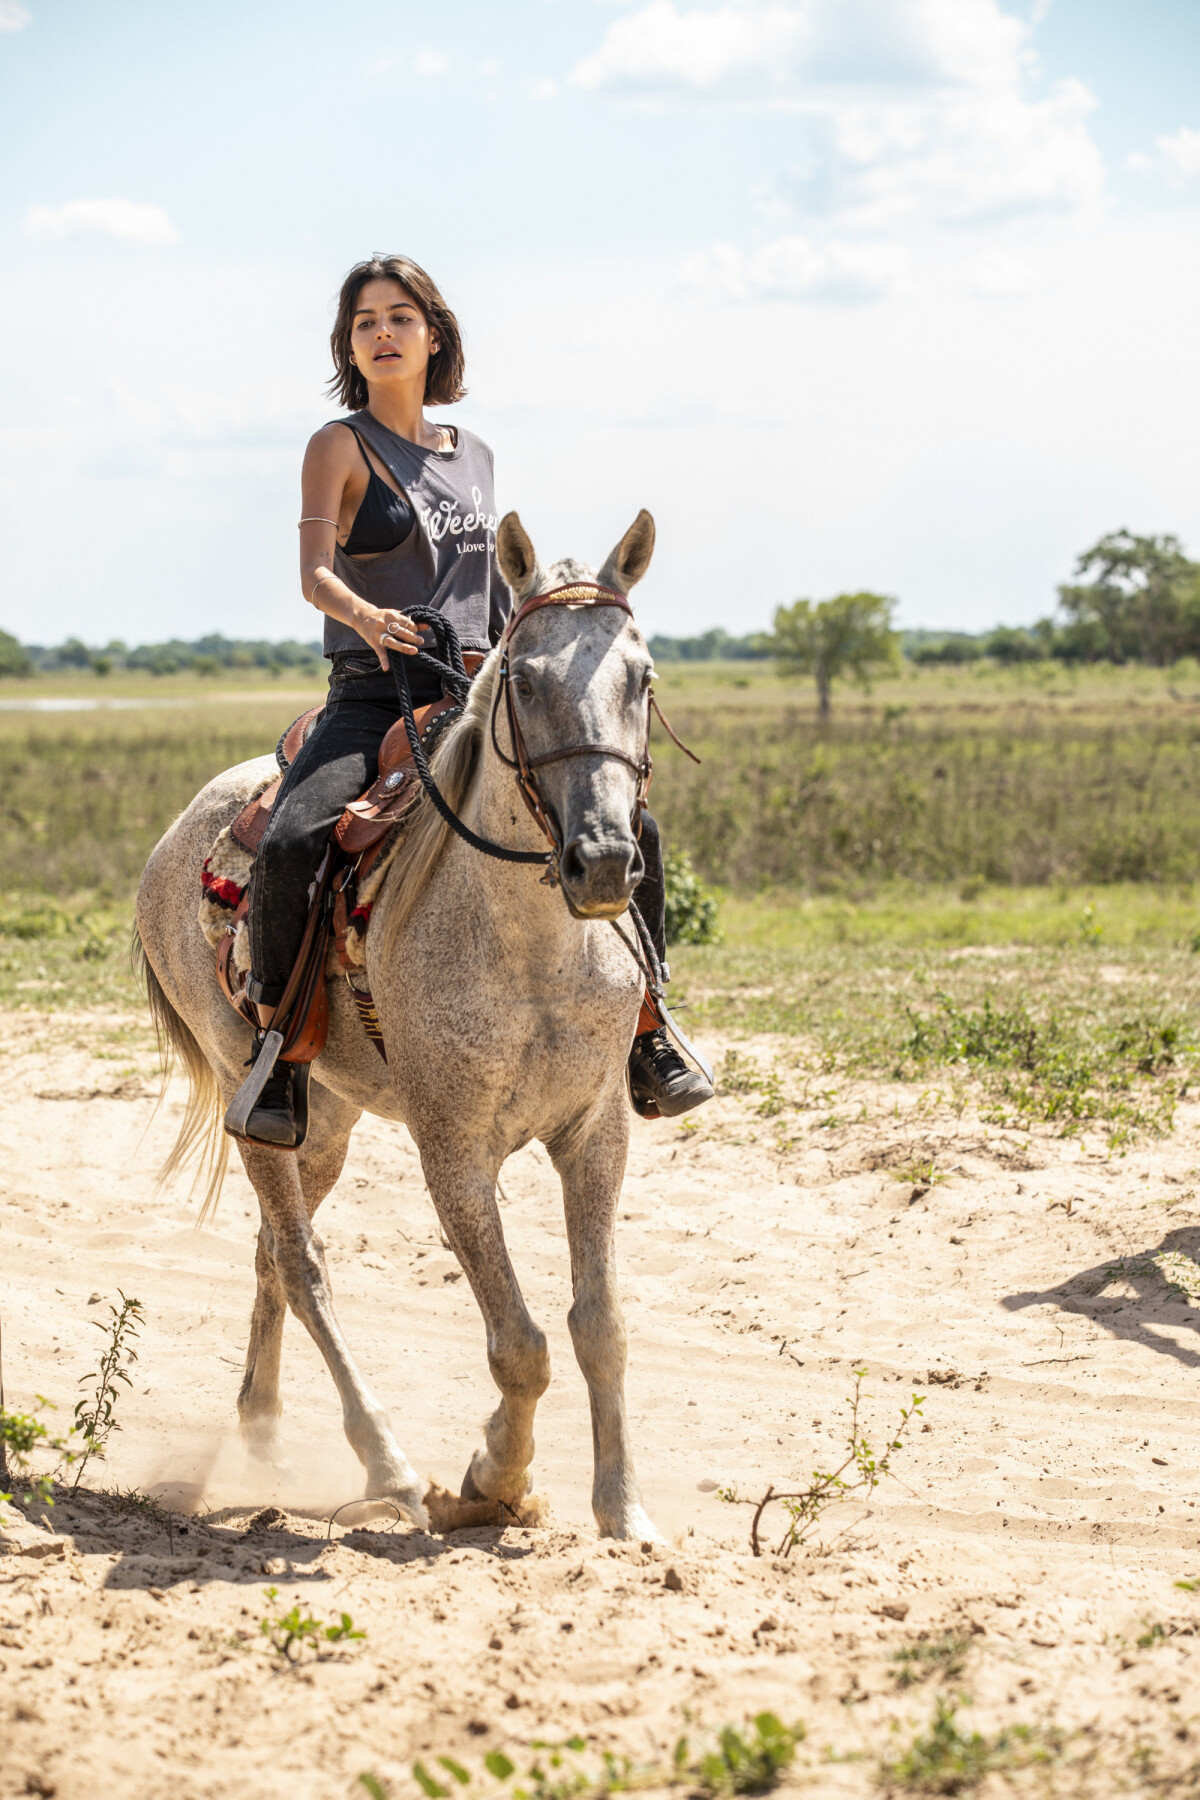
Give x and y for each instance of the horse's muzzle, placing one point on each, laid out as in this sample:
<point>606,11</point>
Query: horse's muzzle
<point>599,878</point>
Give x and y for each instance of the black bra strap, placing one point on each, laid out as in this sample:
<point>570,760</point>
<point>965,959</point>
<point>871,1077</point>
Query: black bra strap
<point>362,449</point>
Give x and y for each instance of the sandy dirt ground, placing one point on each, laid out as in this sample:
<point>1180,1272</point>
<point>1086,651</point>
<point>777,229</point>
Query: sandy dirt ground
<point>1042,1519</point>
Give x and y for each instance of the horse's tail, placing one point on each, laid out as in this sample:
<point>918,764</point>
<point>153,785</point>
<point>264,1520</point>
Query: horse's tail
<point>202,1119</point>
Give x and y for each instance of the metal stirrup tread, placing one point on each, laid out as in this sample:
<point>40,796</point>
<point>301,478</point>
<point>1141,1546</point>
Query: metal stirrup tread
<point>241,1107</point>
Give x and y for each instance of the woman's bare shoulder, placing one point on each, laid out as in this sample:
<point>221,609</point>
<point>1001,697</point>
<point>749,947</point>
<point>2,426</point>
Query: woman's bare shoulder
<point>331,445</point>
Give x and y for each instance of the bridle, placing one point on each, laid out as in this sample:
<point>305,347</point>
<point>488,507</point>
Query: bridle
<point>525,767</point>
<point>577,594</point>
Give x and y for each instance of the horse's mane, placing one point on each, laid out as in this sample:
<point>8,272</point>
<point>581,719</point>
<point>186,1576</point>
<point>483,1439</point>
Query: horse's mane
<point>411,860</point>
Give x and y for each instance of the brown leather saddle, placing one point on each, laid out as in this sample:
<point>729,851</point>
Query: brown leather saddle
<point>355,845</point>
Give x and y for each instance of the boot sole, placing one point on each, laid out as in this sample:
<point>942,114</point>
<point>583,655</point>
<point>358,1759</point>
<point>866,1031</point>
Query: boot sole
<point>671,1106</point>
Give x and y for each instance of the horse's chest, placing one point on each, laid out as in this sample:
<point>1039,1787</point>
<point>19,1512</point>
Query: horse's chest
<point>529,1045</point>
<point>573,1023</point>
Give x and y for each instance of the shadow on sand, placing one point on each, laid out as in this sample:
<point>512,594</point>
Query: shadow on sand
<point>1155,1302</point>
<point>157,1549</point>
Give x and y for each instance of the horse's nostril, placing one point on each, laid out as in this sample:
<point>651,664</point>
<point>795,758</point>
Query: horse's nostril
<point>571,863</point>
<point>600,873</point>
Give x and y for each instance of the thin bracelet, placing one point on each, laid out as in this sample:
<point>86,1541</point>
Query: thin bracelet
<point>314,520</point>
<point>312,598</point>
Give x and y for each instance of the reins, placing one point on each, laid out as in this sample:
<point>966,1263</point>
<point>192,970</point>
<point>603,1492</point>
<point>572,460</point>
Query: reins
<point>448,665</point>
<point>455,680</point>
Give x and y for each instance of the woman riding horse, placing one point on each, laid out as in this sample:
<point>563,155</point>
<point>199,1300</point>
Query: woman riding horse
<point>397,511</point>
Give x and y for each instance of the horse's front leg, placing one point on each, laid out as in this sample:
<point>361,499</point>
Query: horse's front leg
<point>465,1198</point>
<point>299,1262</point>
<point>592,1169</point>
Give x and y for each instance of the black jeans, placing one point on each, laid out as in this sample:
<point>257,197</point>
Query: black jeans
<point>337,762</point>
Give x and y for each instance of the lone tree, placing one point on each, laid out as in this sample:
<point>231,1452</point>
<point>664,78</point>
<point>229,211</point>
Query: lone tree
<point>1139,603</point>
<point>848,635</point>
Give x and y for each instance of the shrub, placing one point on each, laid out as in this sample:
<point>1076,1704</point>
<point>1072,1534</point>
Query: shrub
<point>14,658</point>
<point>691,909</point>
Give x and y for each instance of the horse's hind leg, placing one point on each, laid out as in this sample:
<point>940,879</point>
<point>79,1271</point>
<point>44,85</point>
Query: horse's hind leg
<point>465,1199</point>
<point>259,1404</point>
<point>592,1170</point>
<point>320,1161</point>
<point>299,1263</point>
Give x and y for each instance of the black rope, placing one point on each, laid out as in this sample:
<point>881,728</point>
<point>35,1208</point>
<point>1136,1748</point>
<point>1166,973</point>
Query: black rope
<point>650,965</point>
<point>456,683</point>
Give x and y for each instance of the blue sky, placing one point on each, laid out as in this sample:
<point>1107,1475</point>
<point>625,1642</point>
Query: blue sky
<point>896,294</point>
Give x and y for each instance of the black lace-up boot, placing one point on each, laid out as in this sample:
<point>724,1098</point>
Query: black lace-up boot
<point>659,1076</point>
<point>273,1120</point>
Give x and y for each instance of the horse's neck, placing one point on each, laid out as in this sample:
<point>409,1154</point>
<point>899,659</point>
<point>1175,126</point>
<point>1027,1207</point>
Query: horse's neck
<point>518,904</point>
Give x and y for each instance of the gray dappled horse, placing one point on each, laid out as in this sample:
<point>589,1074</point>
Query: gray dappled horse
<point>507,1015</point>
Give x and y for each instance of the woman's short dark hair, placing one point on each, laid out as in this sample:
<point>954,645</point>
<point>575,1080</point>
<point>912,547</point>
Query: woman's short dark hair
<point>444,376</point>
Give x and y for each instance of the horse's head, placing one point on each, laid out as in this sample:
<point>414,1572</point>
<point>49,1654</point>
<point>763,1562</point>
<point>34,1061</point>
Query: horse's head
<point>579,675</point>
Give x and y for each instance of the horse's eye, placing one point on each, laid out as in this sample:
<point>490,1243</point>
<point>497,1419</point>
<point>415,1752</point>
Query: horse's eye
<point>523,686</point>
<point>647,678</point>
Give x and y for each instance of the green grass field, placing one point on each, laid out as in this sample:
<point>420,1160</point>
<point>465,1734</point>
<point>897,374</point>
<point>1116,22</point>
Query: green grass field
<point>986,871</point>
<point>1027,777</point>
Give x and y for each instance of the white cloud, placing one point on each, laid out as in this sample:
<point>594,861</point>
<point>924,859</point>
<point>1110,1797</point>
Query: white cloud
<point>713,49</point>
<point>132,221</point>
<point>1175,159</point>
<point>999,276</point>
<point>661,49</point>
<point>431,62</point>
<point>795,268</point>
<point>545,90</point>
<point>905,109</point>
<point>13,16</point>
<point>954,158</point>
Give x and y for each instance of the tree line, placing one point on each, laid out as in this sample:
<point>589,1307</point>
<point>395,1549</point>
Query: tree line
<point>203,656</point>
<point>1132,599</point>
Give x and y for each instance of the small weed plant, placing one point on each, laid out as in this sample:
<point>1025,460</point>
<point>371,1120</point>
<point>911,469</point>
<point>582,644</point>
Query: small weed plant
<point>1091,932</point>
<point>948,1759</point>
<point>1174,1267</point>
<point>1062,1069</point>
<point>292,1633</point>
<point>747,1759</point>
<point>741,1075</point>
<point>856,1477</point>
<point>748,1762</point>
<point>21,1434</point>
<point>921,1171</point>
<point>941,1656</point>
<point>96,1418</point>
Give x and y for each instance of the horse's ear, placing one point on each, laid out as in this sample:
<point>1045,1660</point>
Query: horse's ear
<point>631,558</point>
<point>517,556</point>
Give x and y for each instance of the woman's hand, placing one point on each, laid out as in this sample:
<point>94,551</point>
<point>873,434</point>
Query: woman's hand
<point>386,629</point>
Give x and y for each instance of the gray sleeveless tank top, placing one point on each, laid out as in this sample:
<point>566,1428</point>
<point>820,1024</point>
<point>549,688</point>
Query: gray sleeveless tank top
<point>448,559</point>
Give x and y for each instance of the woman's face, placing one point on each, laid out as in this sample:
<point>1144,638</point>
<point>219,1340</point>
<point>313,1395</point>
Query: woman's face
<point>390,339</point>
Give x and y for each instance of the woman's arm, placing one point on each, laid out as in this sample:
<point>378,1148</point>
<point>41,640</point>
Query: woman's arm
<point>327,467</point>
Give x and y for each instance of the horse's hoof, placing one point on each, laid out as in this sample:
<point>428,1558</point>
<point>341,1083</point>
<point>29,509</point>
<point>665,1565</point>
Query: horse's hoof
<point>469,1489</point>
<point>632,1526</point>
<point>472,1487</point>
<point>263,1446</point>
<point>455,1512</point>
<point>406,1500</point>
